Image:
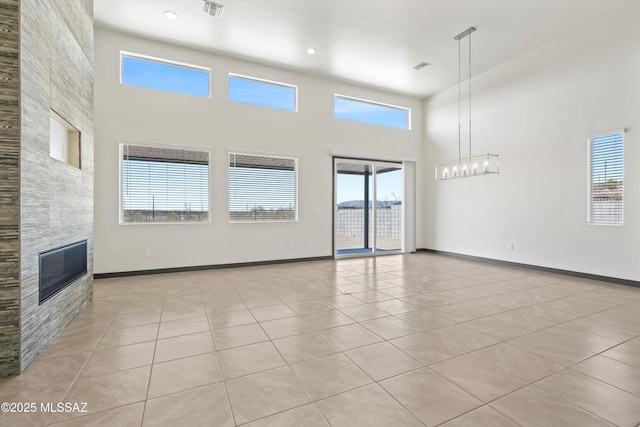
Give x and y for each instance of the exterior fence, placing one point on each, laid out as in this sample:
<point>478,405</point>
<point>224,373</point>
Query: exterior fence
<point>350,222</point>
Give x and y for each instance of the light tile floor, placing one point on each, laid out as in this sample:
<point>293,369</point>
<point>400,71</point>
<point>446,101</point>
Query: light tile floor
<point>403,340</point>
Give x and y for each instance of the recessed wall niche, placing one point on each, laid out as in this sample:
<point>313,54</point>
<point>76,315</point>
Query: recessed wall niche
<point>64,140</point>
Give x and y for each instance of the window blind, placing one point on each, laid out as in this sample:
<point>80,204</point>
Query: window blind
<point>164,184</point>
<point>262,188</point>
<point>606,179</point>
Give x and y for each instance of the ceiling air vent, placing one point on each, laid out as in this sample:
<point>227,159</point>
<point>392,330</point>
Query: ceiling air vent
<point>213,9</point>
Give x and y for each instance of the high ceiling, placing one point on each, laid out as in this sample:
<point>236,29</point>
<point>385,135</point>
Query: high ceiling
<point>374,42</point>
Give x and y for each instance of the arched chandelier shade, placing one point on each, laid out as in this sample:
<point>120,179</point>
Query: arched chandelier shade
<point>472,165</point>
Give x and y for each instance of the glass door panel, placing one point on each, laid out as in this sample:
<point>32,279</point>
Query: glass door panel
<point>353,231</point>
<point>368,212</point>
<point>389,213</point>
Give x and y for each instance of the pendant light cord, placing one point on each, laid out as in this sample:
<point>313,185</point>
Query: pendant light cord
<point>459,101</point>
<point>469,95</point>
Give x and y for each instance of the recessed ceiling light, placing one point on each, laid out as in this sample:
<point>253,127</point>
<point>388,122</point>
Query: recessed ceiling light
<point>311,51</point>
<point>170,14</point>
<point>421,65</point>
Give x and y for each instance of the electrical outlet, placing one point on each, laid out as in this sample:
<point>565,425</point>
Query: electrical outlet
<point>290,244</point>
<point>147,252</point>
<point>510,246</point>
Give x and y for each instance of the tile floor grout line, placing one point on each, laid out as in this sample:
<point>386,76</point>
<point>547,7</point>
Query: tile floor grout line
<point>153,357</point>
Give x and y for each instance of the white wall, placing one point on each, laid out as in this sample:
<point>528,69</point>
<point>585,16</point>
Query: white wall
<point>311,134</point>
<point>536,112</point>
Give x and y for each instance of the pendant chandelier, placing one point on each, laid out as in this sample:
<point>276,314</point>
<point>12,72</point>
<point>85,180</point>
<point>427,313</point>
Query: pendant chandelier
<point>472,165</point>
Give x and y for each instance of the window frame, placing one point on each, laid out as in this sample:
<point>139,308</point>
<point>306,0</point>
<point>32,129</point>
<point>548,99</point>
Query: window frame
<point>148,58</point>
<point>270,155</point>
<point>122,144</point>
<point>269,82</point>
<point>590,139</point>
<point>368,101</point>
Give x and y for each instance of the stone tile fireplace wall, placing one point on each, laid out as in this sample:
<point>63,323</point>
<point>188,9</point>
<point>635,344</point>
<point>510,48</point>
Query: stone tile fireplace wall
<point>55,199</point>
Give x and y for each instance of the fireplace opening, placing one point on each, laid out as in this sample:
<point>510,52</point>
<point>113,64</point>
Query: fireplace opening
<point>60,267</point>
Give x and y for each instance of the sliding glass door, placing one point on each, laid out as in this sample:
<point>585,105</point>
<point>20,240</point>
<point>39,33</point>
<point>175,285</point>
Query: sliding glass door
<point>368,216</point>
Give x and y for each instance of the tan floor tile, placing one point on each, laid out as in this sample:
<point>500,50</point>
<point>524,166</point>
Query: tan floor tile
<point>107,391</point>
<point>602,329</point>
<point>394,306</point>
<point>424,319</point>
<point>127,336</point>
<point>618,374</point>
<point>579,338</point>
<point>350,336</point>
<point>521,363</point>
<point>572,307</point>
<point>370,296</point>
<point>309,306</point>
<point>262,301</point>
<point>307,415</point>
<point>430,397</point>
<point>178,312</point>
<point>134,319</point>
<point>186,326</point>
<point>517,299</point>
<point>382,360</point>
<point>238,335</point>
<point>484,416</point>
<point>612,404</point>
<point>230,319</point>
<point>552,348</point>
<point>400,291</point>
<point>119,359</point>
<point>340,301</point>
<point>12,390</point>
<point>265,393</point>
<point>183,346</point>
<point>443,343</point>
<point>532,406</point>
<point>223,305</point>
<point>124,416</point>
<point>141,307</point>
<point>55,370</point>
<point>526,321</point>
<point>496,328</point>
<point>326,319</point>
<point>286,327</point>
<point>249,359</point>
<point>634,342</point>
<point>84,326</point>
<point>363,312</point>
<point>272,312</point>
<point>204,406</point>
<point>184,374</point>
<point>467,310</point>
<point>482,379</point>
<point>625,353</point>
<point>389,327</point>
<point>546,313</point>
<point>294,297</point>
<point>304,347</point>
<point>73,344</point>
<point>366,406</point>
<point>329,375</point>
<point>617,318</point>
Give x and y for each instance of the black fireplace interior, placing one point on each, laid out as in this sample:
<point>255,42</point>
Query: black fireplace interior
<point>61,266</point>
